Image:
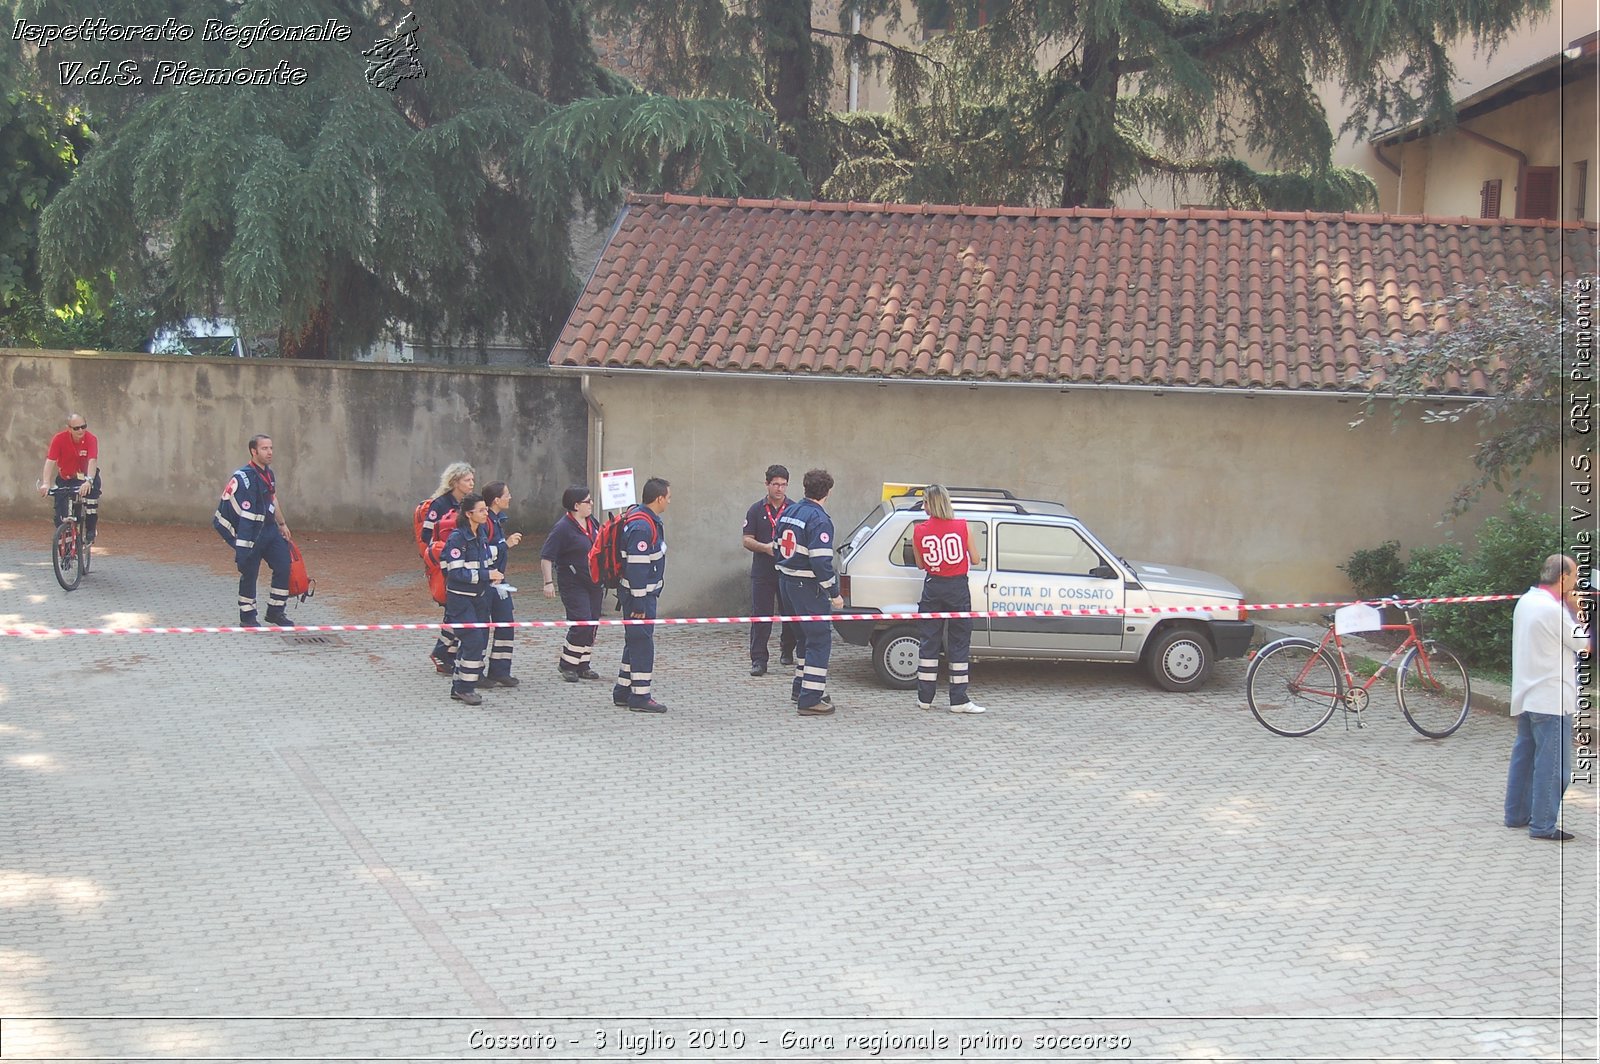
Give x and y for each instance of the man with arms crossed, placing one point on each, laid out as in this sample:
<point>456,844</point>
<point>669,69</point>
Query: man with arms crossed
<point>1546,639</point>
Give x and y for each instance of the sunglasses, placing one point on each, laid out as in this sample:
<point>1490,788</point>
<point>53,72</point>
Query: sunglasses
<point>78,428</point>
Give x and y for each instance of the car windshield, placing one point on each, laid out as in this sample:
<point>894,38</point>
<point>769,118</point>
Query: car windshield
<point>868,523</point>
<point>217,346</point>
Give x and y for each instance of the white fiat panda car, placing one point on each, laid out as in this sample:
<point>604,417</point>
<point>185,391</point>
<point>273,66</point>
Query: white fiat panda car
<point>1034,555</point>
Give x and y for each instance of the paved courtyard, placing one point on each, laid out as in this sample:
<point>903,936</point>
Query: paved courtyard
<point>258,847</point>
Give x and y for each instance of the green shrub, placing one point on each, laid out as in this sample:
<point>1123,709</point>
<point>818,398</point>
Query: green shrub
<point>1504,560</point>
<point>1376,572</point>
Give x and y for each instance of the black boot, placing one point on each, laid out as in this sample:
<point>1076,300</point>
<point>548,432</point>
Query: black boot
<point>278,617</point>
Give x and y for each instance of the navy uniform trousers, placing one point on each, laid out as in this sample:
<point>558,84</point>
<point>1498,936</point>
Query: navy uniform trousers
<point>471,643</point>
<point>582,603</point>
<point>765,600</point>
<point>91,503</point>
<point>638,653</point>
<point>814,640</point>
<point>275,552</point>
<point>503,639</point>
<point>944,594</point>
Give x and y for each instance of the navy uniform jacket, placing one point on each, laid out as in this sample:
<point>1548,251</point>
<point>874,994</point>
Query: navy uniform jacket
<point>805,545</point>
<point>246,516</point>
<point>465,562</point>
<point>644,553</point>
<point>499,550</point>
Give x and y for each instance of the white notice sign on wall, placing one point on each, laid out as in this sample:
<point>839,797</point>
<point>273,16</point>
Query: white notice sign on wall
<point>616,488</point>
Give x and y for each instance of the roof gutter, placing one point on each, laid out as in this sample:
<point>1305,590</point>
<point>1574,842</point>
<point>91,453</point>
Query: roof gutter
<point>1504,149</point>
<point>1153,390</point>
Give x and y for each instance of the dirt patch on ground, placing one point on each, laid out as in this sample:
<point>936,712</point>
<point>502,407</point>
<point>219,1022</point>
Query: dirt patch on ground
<point>366,577</point>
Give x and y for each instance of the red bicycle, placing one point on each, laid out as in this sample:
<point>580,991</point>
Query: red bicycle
<point>69,544</point>
<point>1294,685</point>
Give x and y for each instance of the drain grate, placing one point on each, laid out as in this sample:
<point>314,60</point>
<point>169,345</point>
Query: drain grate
<point>313,639</point>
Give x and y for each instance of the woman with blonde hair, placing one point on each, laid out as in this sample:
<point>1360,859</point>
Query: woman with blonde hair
<point>455,484</point>
<point>944,551</point>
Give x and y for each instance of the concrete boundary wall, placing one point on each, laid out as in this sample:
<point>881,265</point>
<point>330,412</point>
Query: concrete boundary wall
<point>357,444</point>
<point>1272,491</point>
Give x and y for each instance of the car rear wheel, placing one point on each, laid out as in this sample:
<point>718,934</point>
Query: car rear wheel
<point>1179,659</point>
<point>895,653</point>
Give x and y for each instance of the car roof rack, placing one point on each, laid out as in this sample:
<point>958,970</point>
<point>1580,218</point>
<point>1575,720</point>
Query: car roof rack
<point>1030,507</point>
<point>912,497</point>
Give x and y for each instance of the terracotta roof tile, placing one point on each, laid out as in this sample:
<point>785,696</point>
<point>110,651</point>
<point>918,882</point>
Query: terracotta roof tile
<point>1195,297</point>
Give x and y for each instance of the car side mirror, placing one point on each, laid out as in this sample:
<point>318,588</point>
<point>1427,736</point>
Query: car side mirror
<point>1103,572</point>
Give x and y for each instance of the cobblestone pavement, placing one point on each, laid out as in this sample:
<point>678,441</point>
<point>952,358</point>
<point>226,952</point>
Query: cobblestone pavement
<point>260,847</point>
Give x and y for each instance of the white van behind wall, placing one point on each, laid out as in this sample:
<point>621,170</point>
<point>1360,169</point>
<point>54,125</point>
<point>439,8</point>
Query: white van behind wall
<point>214,337</point>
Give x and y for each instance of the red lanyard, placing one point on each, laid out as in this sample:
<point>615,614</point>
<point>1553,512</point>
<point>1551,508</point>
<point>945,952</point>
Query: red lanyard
<point>773,517</point>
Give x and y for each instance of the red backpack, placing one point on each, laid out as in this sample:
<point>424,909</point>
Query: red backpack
<point>605,553</point>
<point>432,552</point>
<point>301,585</point>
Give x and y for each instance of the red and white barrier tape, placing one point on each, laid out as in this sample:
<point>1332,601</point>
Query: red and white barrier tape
<point>431,626</point>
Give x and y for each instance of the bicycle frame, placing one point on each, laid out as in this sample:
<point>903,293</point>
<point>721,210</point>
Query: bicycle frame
<point>75,503</point>
<point>1332,636</point>
<point>69,546</point>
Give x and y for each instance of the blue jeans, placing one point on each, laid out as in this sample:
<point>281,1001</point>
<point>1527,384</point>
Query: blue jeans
<point>1541,765</point>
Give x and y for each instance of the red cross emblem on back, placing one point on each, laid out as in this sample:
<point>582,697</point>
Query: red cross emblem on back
<point>787,541</point>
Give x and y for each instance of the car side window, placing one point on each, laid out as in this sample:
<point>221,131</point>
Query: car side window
<point>903,555</point>
<point>1050,549</point>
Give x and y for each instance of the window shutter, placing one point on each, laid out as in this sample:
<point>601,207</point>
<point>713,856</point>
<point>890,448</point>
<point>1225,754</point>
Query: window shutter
<point>1538,192</point>
<point>1489,196</point>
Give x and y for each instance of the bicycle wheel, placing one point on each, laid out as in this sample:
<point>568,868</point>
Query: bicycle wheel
<point>1293,687</point>
<point>64,555</point>
<point>1433,689</point>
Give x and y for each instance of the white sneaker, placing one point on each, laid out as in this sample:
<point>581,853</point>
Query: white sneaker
<point>924,705</point>
<point>968,707</point>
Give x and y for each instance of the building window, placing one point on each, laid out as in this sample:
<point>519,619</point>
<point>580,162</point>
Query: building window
<point>1580,190</point>
<point>1539,196</point>
<point>1489,199</point>
<point>938,17</point>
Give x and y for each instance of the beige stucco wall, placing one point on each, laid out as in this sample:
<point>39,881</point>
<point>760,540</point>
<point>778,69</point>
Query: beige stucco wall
<point>1272,492</point>
<point>1444,175</point>
<point>357,445</point>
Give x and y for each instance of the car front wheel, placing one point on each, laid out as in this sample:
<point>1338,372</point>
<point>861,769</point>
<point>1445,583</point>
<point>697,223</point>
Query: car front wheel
<point>895,653</point>
<point>1179,659</point>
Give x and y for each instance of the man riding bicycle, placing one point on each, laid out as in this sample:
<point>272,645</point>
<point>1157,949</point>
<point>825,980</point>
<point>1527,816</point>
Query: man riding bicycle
<point>73,459</point>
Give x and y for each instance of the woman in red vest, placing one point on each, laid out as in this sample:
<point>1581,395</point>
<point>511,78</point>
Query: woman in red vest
<point>944,552</point>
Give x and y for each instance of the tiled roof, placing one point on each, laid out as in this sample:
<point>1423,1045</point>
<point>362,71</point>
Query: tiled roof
<point>1179,298</point>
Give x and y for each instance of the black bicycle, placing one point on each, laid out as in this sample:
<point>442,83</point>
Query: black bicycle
<point>69,546</point>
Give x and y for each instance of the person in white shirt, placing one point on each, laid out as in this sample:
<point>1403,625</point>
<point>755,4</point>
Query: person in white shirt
<point>1547,637</point>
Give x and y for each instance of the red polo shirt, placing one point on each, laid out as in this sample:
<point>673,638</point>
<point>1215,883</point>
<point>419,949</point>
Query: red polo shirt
<point>72,456</point>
